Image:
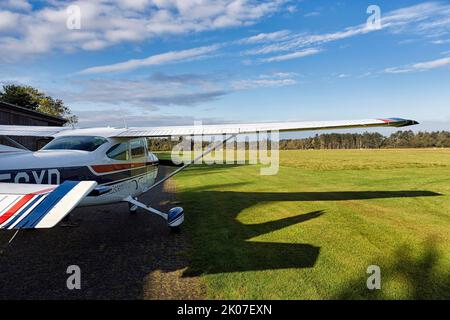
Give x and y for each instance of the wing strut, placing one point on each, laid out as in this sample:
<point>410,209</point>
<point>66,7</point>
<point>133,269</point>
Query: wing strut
<point>208,151</point>
<point>15,143</point>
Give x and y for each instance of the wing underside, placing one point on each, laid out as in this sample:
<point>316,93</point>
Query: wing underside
<point>28,206</point>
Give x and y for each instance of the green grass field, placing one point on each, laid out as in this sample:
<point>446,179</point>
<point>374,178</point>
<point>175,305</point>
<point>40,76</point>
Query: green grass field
<point>311,231</point>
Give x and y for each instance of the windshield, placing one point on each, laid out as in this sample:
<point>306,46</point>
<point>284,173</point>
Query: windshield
<point>75,143</point>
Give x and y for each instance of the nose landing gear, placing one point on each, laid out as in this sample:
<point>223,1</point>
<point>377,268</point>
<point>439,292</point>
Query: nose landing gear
<point>132,208</point>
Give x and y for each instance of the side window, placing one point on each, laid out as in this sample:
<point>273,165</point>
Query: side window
<point>119,152</point>
<point>137,149</point>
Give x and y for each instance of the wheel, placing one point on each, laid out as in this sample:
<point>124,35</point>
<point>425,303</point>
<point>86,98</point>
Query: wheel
<point>175,217</point>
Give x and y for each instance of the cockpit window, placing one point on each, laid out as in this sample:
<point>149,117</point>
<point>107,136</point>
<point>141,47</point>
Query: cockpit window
<point>137,148</point>
<point>82,143</point>
<point>119,151</point>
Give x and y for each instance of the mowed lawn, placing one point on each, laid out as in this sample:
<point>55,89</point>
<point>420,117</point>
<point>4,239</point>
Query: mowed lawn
<point>312,230</point>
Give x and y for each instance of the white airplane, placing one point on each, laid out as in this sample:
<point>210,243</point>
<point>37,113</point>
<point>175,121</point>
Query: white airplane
<point>97,166</point>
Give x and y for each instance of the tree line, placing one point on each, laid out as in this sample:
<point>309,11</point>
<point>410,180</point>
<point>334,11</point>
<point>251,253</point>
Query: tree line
<point>400,139</point>
<point>367,140</point>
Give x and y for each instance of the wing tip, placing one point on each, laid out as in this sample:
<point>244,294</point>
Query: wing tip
<point>400,122</point>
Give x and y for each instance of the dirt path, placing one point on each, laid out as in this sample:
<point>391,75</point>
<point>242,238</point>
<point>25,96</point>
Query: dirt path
<point>121,256</point>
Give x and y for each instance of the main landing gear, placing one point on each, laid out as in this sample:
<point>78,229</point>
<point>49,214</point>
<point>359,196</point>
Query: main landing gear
<point>174,218</point>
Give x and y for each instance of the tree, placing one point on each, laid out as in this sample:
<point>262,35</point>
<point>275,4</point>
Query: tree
<point>31,98</point>
<point>24,96</point>
<point>56,108</point>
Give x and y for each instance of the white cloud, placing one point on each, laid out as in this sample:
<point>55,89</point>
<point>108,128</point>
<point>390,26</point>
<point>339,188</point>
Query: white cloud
<point>299,41</point>
<point>312,14</point>
<point>421,18</point>
<point>365,74</point>
<point>267,37</point>
<point>421,66</point>
<point>158,59</point>
<point>106,23</point>
<point>441,41</point>
<point>188,55</point>
<point>161,89</point>
<point>8,20</point>
<point>277,79</point>
<point>427,19</point>
<point>432,64</point>
<point>262,83</point>
<point>146,93</point>
<point>280,75</point>
<point>292,9</point>
<point>293,55</point>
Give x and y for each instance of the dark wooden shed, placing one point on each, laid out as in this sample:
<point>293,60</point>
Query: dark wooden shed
<point>14,115</point>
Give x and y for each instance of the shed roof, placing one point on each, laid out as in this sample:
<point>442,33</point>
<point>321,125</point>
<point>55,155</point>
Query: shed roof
<point>32,113</point>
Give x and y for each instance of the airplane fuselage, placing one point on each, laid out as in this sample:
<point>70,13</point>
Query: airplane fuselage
<point>124,165</point>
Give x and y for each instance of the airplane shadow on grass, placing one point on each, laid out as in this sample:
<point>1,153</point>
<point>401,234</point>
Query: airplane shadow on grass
<point>222,242</point>
<point>229,251</point>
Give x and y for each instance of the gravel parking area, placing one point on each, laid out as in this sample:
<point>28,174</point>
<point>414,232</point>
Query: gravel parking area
<point>121,256</point>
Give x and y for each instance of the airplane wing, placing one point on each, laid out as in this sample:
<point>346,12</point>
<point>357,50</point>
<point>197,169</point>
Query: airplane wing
<point>28,206</point>
<point>31,131</point>
<point>38,131</point>
<point>258,127</point>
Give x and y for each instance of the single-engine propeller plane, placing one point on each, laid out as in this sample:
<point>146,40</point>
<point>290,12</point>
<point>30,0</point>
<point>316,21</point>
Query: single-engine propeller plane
<point>86,167</point>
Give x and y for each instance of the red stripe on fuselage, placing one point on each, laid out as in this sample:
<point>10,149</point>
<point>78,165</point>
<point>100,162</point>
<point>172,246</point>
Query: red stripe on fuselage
<point>107,168</point>
<point>16,207</point>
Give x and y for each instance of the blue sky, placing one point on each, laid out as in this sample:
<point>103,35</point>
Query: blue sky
<point>162,62</point>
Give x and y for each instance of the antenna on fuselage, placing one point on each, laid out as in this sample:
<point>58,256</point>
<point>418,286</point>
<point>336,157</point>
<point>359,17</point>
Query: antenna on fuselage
<point>125,125</point>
